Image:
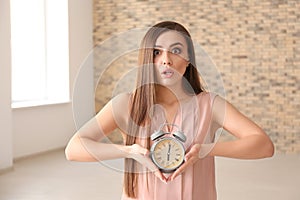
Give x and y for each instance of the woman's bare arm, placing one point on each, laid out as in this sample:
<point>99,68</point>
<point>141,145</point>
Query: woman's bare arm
<point>85,145</point>
<point>251,141</point>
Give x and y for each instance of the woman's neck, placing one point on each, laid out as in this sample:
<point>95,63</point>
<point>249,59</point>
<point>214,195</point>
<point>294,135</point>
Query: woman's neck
<point>168,95</point>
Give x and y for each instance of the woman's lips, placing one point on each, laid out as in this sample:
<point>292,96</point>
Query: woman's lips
<point>168,73</point>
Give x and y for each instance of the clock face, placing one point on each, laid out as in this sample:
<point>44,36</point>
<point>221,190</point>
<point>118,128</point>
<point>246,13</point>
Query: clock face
<point>168,154</point>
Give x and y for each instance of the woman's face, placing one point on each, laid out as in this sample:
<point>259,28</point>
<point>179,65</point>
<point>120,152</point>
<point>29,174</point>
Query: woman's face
<point>170,57</point>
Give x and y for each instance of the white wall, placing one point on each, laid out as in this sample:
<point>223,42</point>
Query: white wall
<point>5,85</point>
<point>43,128</point>
<point>81,46</point>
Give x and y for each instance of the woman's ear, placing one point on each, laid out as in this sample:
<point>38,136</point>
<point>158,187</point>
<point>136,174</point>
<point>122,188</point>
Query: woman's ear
<point>188,61</point>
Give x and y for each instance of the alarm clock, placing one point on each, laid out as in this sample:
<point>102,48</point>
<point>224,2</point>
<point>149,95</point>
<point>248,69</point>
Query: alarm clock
<point>167,151</point>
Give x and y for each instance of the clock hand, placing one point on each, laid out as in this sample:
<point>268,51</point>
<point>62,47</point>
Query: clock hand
<point>169,152</point>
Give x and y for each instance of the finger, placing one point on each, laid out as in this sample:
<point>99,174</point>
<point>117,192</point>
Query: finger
<point>191,155</point>
<point>184,166</point>
<point>194,151</point>
<point>146,152</point>
<point>138,149</point>
<point>151,166</point>
<point>143,150</point>
<point>188,156</point>
<point>179,171</point>
<point>142,157</point>
<point>159,175</point>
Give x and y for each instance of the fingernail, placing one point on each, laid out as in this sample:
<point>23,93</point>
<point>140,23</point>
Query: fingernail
<point>164,181</point>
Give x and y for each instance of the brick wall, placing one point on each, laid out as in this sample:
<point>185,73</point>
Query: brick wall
<point>254,45</point>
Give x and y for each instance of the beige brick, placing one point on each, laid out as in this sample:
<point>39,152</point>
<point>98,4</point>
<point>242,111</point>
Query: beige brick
<point>264,85</point>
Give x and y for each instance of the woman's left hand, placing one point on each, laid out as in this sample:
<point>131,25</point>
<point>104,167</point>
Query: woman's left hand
<point>191,157</point>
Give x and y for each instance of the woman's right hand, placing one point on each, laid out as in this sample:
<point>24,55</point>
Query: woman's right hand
<point>142,155</point>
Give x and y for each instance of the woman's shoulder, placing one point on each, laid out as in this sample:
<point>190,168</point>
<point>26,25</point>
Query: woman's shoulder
<point>122,97</point>
<point>206,97</point>
<point>121,102</point>
<point>120,109</point>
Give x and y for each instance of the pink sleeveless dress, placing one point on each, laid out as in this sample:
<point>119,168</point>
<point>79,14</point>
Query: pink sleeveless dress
<point>198,181</point>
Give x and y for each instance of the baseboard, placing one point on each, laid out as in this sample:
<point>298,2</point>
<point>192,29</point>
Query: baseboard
<point>6,170</point>
<point>37,154</point>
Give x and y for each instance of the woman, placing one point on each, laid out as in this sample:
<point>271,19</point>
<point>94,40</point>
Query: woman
<point>168,92</point>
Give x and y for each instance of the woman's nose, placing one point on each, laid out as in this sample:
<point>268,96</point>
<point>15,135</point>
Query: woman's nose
<point>166,59</point>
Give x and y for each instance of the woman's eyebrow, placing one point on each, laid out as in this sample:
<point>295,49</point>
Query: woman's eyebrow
<point>174,44</point>
<point>177,43</point>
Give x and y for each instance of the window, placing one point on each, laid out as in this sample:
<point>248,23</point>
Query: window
<point>40,52</point>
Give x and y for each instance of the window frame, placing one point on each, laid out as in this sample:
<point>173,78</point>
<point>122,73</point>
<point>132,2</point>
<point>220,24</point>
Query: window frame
<point>55,68</point>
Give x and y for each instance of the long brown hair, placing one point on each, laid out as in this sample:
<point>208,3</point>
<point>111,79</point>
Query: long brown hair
<point>144,96</point>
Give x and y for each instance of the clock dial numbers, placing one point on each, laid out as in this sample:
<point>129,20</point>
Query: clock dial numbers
<point>168,154</point>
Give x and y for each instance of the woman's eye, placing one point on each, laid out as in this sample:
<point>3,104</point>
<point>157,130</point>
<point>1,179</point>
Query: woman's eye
<point>176,51</point>
<point>156,52</point>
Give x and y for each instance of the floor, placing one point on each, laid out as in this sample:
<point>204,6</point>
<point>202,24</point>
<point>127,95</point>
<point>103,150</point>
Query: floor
<point>51,177</point>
